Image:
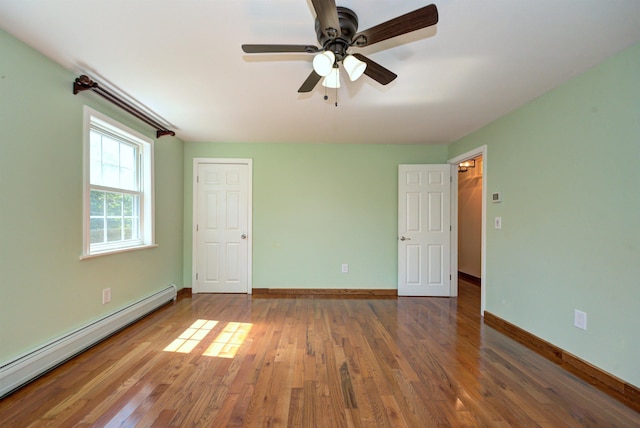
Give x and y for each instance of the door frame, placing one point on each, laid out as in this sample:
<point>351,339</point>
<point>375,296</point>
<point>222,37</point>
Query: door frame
<point>479,151</point>
<point>194,208</point>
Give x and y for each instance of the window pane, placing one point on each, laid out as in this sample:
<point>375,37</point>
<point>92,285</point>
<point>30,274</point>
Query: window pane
<point>127,179</point>
<point>127,205</point>
<point>128,157</point>
<point>114,204</point>
<point>110,162</point>
<point>110,150</point>
<point>131,216</point>
<point>96,230</point>
<point>114,229</point>
<point>128,229</point>
<point>110,175</point>
<point>97,203</point>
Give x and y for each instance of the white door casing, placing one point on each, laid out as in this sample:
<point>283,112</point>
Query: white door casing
<point>424,230</point>
<point>222,226</point>
<point>479,151</point>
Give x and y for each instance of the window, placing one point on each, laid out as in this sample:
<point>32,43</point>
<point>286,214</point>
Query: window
<point>118,183</point>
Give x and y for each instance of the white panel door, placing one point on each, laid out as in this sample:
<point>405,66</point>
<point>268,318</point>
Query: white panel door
<point>424,230</point>
<point>222,228</point>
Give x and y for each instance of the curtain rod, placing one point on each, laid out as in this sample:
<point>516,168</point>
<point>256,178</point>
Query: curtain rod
<point>84,83</point>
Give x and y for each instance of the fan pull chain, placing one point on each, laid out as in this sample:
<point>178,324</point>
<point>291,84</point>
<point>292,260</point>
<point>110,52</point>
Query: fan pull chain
<point>326,97</point>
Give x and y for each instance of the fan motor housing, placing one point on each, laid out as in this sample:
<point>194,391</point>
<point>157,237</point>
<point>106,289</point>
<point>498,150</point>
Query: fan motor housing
<point>348,21</point>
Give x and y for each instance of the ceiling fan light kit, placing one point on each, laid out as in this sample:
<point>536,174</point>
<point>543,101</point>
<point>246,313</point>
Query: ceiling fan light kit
<point>337,30</point>
<point>323,63</point>
<point>332,80</point>
<point>354,67</point>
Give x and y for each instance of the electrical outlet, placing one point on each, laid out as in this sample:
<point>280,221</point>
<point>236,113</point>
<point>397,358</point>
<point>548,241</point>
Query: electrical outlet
<point>106,296</point>
<point>345,267</point>
<point>580,319</point>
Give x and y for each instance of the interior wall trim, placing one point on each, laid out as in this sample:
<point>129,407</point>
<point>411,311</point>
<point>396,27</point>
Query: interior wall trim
<point>326,291</point>
<point>472,154</point>
<point>184,293</point>
<point>617,388</point>
<point>469,278</point>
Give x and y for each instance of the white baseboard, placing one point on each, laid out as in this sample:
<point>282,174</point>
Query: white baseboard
<point>27,367</point>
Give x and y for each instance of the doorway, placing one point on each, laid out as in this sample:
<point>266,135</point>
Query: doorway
<point>470,220</point>
<point>469,193</point>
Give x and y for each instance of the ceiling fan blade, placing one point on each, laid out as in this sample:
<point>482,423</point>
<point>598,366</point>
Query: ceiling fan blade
<point>279,48</point>
<point>327,13</point>
<point>310,83</point>
<point>412,21</point>
<point>376,71</point>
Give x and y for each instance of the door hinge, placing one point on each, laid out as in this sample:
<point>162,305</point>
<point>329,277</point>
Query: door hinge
<point>196,276</point>
<point>450,228</point>
<point>197,179</point>
<point>450,277</point>
<point>197,228</point>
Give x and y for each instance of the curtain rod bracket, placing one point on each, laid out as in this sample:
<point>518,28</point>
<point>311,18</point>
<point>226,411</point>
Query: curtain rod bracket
<point>161,132</point>
<point>84,82</point>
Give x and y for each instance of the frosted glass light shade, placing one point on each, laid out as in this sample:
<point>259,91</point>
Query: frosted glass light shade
<point>354,67</point>
<point>332,80</point>
<point>323,63</point>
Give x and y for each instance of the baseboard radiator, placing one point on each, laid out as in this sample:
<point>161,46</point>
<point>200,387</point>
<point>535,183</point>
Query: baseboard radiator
<point>33,364</point>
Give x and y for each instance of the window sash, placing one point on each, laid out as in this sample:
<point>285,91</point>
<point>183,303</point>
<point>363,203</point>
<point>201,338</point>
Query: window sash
<point>125,171</point>
<point>114,218</point>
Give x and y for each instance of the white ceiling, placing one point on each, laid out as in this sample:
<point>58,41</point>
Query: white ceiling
<point>182,59</point>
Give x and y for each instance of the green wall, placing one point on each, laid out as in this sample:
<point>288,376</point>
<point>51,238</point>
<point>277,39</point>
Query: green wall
<point>45,289</point>
<point>316,206</point>
<point>566,165</point>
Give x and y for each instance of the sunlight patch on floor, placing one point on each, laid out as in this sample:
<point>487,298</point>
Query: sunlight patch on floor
<point>225,345</point>
<point>228,342</point>
<point>190,338</point>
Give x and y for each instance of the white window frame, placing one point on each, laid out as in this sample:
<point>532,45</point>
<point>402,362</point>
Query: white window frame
<point>145,164</point>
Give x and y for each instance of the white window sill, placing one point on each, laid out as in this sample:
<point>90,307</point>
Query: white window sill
<point>118,251</point>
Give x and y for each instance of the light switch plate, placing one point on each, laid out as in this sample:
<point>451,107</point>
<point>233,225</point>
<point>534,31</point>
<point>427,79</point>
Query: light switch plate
<point>106,296</point>
<point>498,223</point>
<point>580,319</point>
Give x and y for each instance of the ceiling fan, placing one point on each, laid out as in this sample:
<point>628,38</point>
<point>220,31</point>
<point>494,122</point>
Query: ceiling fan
<point>336,29</point>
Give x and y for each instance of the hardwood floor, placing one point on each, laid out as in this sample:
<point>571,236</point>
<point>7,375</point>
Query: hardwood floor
<point>310,361</point>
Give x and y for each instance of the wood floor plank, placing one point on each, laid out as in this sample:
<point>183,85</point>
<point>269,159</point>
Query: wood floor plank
<point>240,414</point>
<point>373,396</point>
<point>309,407</point>
<point>314,361</point>
<point>136,416</point>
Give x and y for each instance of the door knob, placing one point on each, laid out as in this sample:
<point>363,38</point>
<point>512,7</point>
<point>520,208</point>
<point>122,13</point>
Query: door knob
<point>402,238</point>
<point>243,236</point>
